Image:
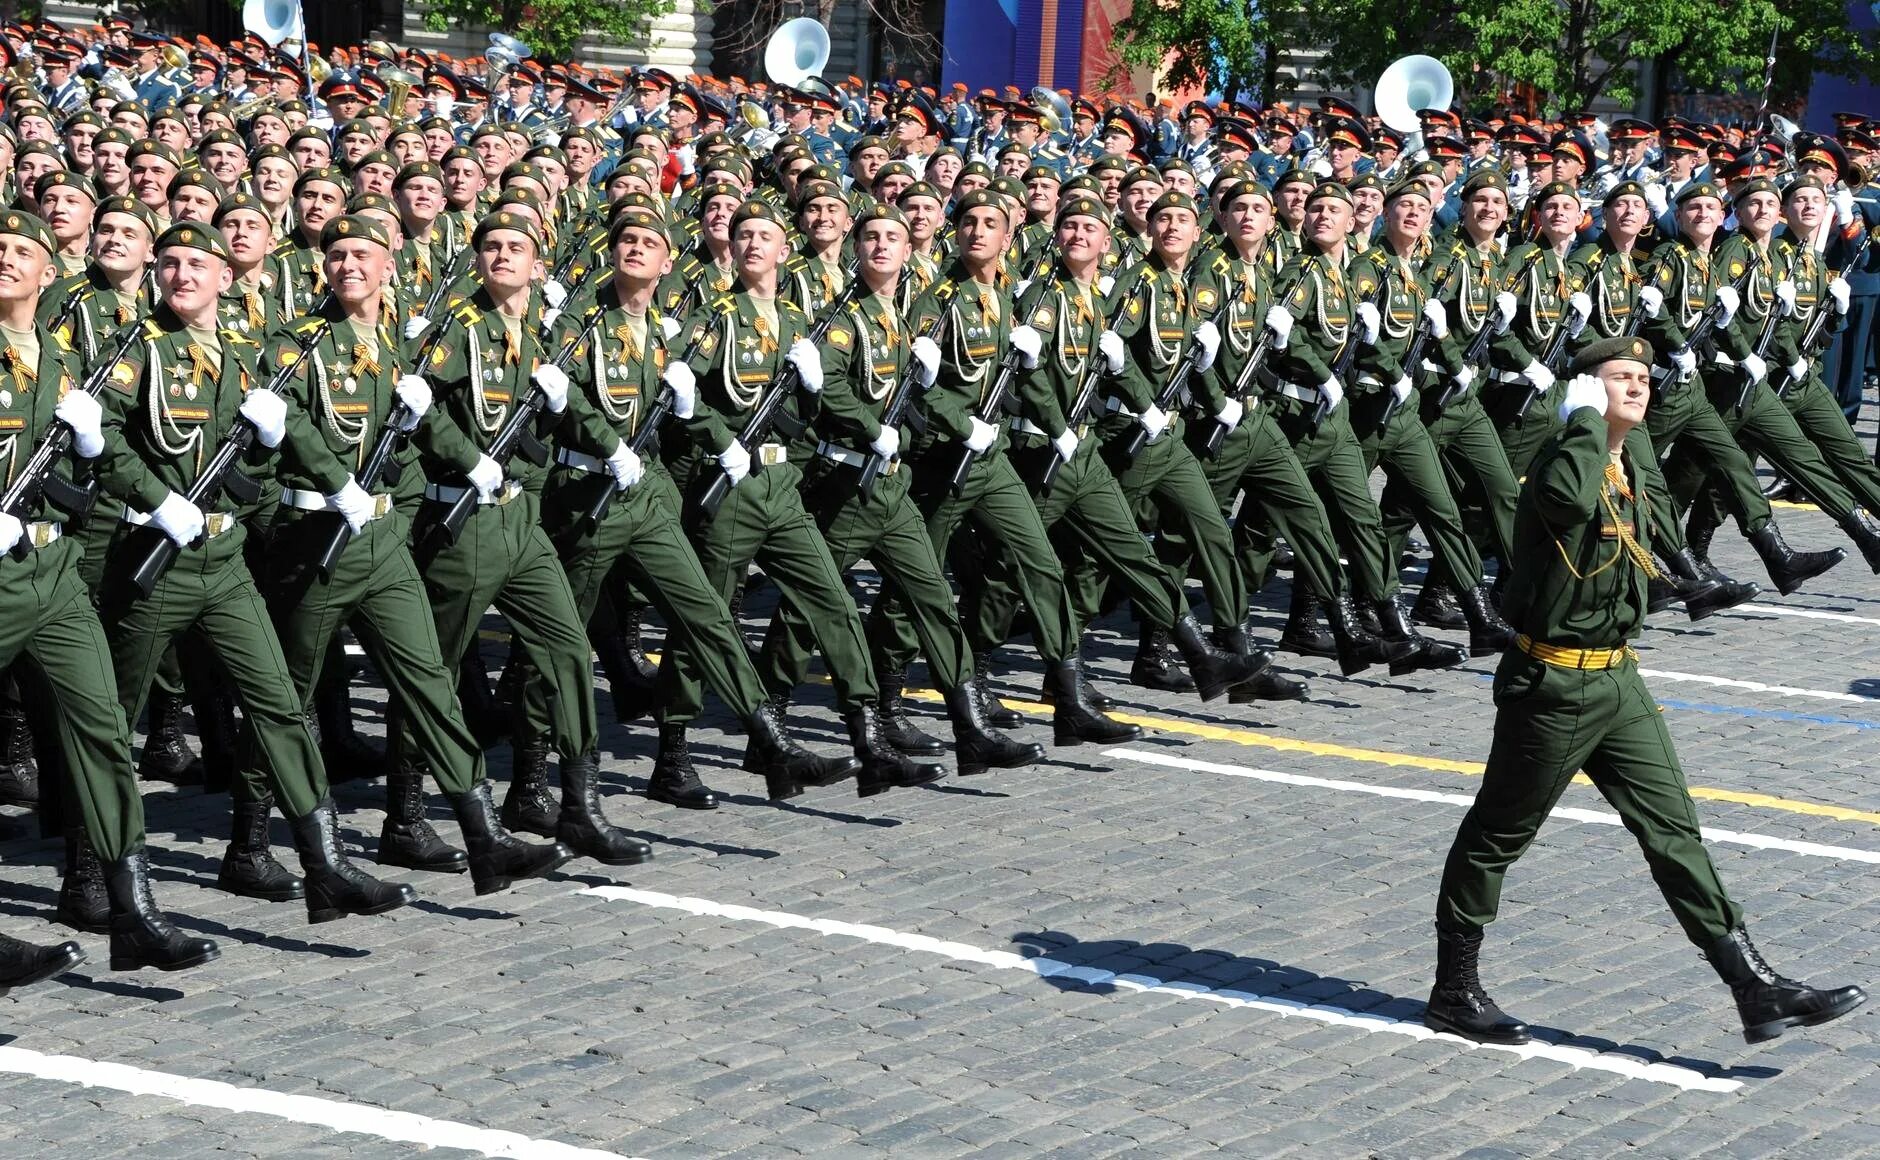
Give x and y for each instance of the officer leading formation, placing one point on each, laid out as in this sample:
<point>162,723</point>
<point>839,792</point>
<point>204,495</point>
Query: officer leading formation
<point>458,335</point>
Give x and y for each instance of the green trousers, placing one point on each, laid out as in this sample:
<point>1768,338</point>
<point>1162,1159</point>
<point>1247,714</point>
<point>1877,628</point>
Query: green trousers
<point>1822,420</point>
<point>763,521</point>
<point>1334,463</point>
<point>1001,522</point>
<point>503,558</point>
<point>1086,515</point>
<point>1551,723</point>
<point>210,596</point>
<point>887,528</point>
<point>1479,475</point>
<point>1765,428</point>
<point>46,617</point>
<point>376,589</point>
<point>642,544</point>
<point>1522,431</point>
<point>1416,482</point>
<point>1681,415</point>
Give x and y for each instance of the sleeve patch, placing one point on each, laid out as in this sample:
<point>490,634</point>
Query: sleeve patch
<point>1042,318</point>
<point>840,337</point>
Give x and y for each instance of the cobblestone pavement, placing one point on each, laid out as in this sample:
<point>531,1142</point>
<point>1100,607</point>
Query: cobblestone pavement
<point>1215,940</point>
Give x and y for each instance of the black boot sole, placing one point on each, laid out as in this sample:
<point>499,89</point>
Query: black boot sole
<point>497,883</point>
<point>701,799</point>
<point>1030,755</point>
<point>1419,661</point>
<point>72,958</point>
<point>130,963</point>
<point>406,896</point>
<point>637,858</point>
<point>1161,681</point>
<point>1764,1032</point>
<point>283,894</point>
<point>1436,1021</point>
<point>1711,603</point>
<point>1312,647</point>
<point>1791,583</point>
<point>455,865</point>
<point>1068,735</point>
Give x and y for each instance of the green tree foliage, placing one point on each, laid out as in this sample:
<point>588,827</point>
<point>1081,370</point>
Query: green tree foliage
<point>551,27</point>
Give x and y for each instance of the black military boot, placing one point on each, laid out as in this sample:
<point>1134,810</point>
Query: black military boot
<point>84,903</point>
<point>1437,606</point>
<point>1489,634</point>
<point>1047,693</point>
<point>19,769</point>
<point>896,725</point>
<point>1859,528</point>
<point>498,857</point>
<point>167,754</point>
<point>788,768</point>
<point>674,781</point>
<point>1427,654</point>
<point>529,806</point>
<point>582,826</point>
<point>249,868</point>
<point>1268,684</point>
<point>348,756</point>
<point>22,963</point>
<point>977,746</point>
<point>336,887</point>
<point>1458,1004</point>
<point>1154,667</point>
<point>1075,719</point>
<point>1214,671</point>
<point>1302,633</point>
<point>140,934</point>
<point>408,839</point>
<point>1355,646</point>
<point>631,674</point>
<point>1788,568</point>
<point>1703,590</point>
<point>883,766</point>
<point>1768,1003</point>
<point>997,715</point>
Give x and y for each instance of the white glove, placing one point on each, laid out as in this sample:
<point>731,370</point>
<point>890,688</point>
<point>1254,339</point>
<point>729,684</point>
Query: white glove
<point>1505,307</point>
<point>1110,345</point>
<point>1839,290</point>
<point>1029,344</point>
<point>179,519</point>
<point>1538,376</point>
<point>11,529</point>
<point>1785,295</point>
<point>1799,370</point>
<point>1755,368</point>
<point>354,504</point>
<point>1154,420</point>
<point>684,386</point>
<point>79,411</point>
<point>1729,299</point>
<point>1334,391</point>
<point>1843,201</point>
<point>415,394</point>
<point>1655,200</point>
<point>486,477</point>
<point>1208,338</point>
<point>981,434</point>
<point>670,327</point>
<point>808,363</point>
<point>1651,300</point>
<point>1105,284</point>
<point>736,461</point>
<point>1685,361</point>
<point>888,443</point>
<point>624,465</point>
<point>553,383</point>
<point>1582,308</point>
<point>1279,320</point>
<point>1065,444</point>
<point>1438,319</point>
<point>415,325</point>
<point>554,293</point>
<point>1583,391</point>
<point>268,412</point>
<point>1400,390</point>
<point>1370,320</point>
<point>927,353</point>
<point>1465,378</point>
<point>1230,414</point>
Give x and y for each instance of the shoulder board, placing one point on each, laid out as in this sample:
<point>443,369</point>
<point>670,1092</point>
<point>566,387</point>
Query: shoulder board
<point>236,337</point>
<point>796,263</point>
<point>944,290</point>
<point>307,325</point>
<point>65,344</point>
<point>151,330</point>
<point>786,304</point>
<point>725,305</point>
<point>467,313</point>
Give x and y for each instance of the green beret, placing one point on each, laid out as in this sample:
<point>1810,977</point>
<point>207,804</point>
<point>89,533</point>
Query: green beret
<point>1607,349</point>
<point>977,199</point>
<point>1554,189</point>
<point>460,153</point>
<point>548,152</point>
<point>976,169</point>
<point>48,148</point>
<point>200,178</point>
<point>820,172</point>
<point>1108,163</point>
<point>1232,171</point>
<point>502,219</point>
<point>21,224</point>
<point>1083,205</point>
<point>1697,189</point>
<point>235,202</point>
<point>1793,187</point>
<point>487,129</point>
<point>580,133</point>
<point>151,148</point>
<point>880,211</point>
<point>1042,173</point>
<point>221,137</point>
<point>1367,181</point>
<point>306,134</point>
<point>377,157</point>
<point>1759,185</point>
<point>1623,189</point>
<point>124,203</point>
<point>1176,165</point>
<point>1247,187</point>
<point>869,141</point>
<point>1014,149</point>
<point>1406,188</point>
<point>895,169</point>
<point>1484,179</point>
<point>416,170</point>
<point>65,179</point>
<point>528,169</point>
<point>522,197</point>
<point>1174,199</point>
<point>812,190</point>
<point>378,201</point>
<point>271,151</point>
<point>82,117</point>
<point>1426,169</point>
<point>355,225</point>
<point>1325,189</point>
<point>1296,176</point>
<point>703,194</point>
<point>1140,174</point>
<point>919,189</point>
<point>1010,187</point>
<point>331,174</point>
<point>758,209</point>
<point>1082,183</point>
<point>196,236</point>
<point>637,209</point>
<point>358,125</point>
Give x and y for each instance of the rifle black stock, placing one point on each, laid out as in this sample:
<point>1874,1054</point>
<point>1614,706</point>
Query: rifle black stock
<point>992,406</point>
<point>874,463</point>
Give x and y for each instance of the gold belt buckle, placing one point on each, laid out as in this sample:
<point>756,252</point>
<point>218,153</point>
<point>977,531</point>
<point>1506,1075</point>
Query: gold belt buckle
<point>772,454</point>
<point>894,465</point>
<point>1083,429</point>
<point>42,534</point>
<point>381,507</point>
<point>216,523</point>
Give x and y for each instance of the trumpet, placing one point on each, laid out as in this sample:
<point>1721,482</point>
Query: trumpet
<point>250,109</point>
<point>398,84</point>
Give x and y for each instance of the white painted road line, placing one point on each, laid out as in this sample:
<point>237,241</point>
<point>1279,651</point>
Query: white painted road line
<point>1576,1057</point>
<point>1566,813</point>
<point>1756,686</point>
<point>404,1127</point>
<point>1810,613</point>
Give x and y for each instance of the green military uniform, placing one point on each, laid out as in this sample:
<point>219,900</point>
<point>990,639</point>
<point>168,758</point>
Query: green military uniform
<point>96,310</point>
<point>1541,281</point>
<point>1810,401</point>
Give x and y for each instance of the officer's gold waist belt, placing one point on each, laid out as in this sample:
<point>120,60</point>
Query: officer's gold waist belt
<point>1574,658</point>
<point>313,501</point>
<point>444,494</point>
<point>213,523</point>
